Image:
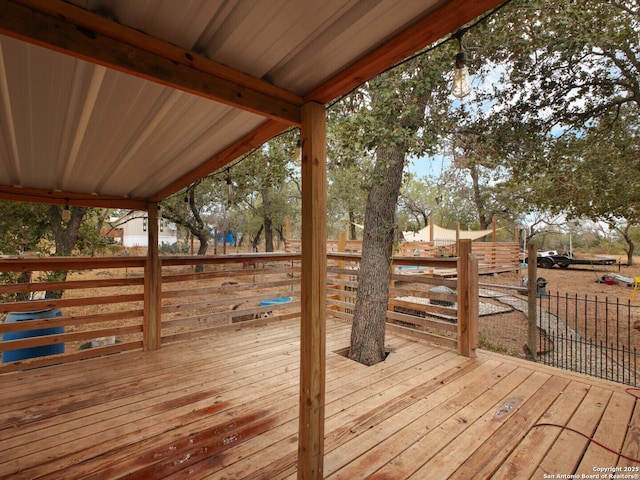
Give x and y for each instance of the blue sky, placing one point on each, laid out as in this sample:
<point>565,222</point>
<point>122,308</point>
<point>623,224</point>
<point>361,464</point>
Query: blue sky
<point>428,165</point>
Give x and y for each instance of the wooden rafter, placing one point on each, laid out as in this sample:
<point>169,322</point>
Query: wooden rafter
<point>74,31</point>
<point>18,194</point>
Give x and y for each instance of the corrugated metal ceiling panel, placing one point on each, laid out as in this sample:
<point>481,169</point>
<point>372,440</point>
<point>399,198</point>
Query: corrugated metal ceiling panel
<point>294,44</point>
<point>77,127</point>
<point>84,128</point>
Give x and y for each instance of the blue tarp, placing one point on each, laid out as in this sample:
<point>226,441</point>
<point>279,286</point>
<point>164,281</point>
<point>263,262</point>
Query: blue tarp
<point>229,238</point>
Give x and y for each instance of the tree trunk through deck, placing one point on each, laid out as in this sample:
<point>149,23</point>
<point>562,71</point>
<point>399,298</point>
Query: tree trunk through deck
<point>367,334</point>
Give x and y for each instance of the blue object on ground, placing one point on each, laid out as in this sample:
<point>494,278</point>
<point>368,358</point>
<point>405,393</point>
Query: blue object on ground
<point>39,351</point>
<point>275,301</point>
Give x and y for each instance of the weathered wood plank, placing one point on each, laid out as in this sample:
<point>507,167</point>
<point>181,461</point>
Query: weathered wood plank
<point>69,302</point>
<point>387,437</point>
<point>354,394</point>
<point>72,320</point>
<point>611,432</point>
<point>64,443</point>
<point>494,434</point>
<point>528,454</point>
<point>70,358</point>
<point>224,405</point>
<point>69,285</point>
<point>569,447</point>
<point>25,386</point>
<point>229,289</point>
<point>631,447</point>
<point>31,342</point>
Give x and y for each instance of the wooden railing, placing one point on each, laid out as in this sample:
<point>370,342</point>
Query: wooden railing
<point>444,311</point>
<point>102,310</point>
<point>231,289</point>
<point>98,315</point>
<point>493,257</point>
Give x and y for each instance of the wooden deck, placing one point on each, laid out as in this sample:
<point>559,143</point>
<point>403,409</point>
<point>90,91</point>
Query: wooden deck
<point>226,406</point>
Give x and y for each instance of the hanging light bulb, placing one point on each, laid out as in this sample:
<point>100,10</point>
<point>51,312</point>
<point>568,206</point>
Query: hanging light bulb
<point>66,213</point>
<point>461,82</point>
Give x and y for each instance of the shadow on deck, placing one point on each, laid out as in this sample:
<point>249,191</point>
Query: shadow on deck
<point>226,406</point>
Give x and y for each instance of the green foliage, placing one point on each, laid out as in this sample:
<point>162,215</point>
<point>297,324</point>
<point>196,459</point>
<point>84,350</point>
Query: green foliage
<point>193,210</point>
<point>555,126</point>
<point>23,227</point>
<point>268,190</point>
<point>565,64</point>
<point>89,241</point>
<point>173,248</point>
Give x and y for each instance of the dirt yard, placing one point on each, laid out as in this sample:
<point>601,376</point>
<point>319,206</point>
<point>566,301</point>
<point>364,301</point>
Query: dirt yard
<point>606,320</point>
<point>581,280</point>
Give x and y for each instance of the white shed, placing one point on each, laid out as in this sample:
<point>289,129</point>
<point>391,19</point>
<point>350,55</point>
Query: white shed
<point>132,230</point>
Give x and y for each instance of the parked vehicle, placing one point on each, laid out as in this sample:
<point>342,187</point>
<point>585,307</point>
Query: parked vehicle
<point>564,261</point>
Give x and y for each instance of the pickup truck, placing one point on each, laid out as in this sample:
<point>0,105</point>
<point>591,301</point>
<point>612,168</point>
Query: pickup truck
<point>563,261</point>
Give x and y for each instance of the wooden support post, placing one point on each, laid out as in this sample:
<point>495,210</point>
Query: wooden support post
<point>468,302</point>
<point>494,229</point>
<point>494,240</point>
<point>532,312</point>
<point>152,284</point>
<point>313,293</point>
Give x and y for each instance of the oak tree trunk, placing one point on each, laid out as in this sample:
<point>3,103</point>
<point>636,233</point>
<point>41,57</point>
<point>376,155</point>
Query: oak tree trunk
<point>352,226</point>
<point>368,330</point>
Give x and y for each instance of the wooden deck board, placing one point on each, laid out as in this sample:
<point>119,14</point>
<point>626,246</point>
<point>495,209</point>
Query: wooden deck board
<point>631,446</point>
<point>610,431</point>
<point>569,447</point>
<point>528,454</point>
<point>226,406</point>
<point>393,434</point>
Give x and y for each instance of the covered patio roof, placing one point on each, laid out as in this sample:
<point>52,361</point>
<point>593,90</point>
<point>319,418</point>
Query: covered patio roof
<point>106,103</point>
<point>121,104</point>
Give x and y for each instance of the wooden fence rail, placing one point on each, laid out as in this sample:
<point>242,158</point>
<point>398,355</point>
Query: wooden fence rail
<point>84,323</point>
<point>493,257</point>
<point>420,302</point>
<point>101,311</point>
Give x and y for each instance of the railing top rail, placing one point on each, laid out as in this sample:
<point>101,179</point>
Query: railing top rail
<point>24,264</point>
<point>20,264</point>
<point>228,258</point>
<point>449,262</point>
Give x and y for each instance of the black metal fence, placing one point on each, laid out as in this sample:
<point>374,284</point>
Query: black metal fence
<point>583,334</point>
<point>590,335</point>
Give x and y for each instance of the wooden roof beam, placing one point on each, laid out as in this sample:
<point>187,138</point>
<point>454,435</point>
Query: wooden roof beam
<point>66,28</point>
<point>257,137</point>
<point>35,195</point>
<point>441,22</point>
